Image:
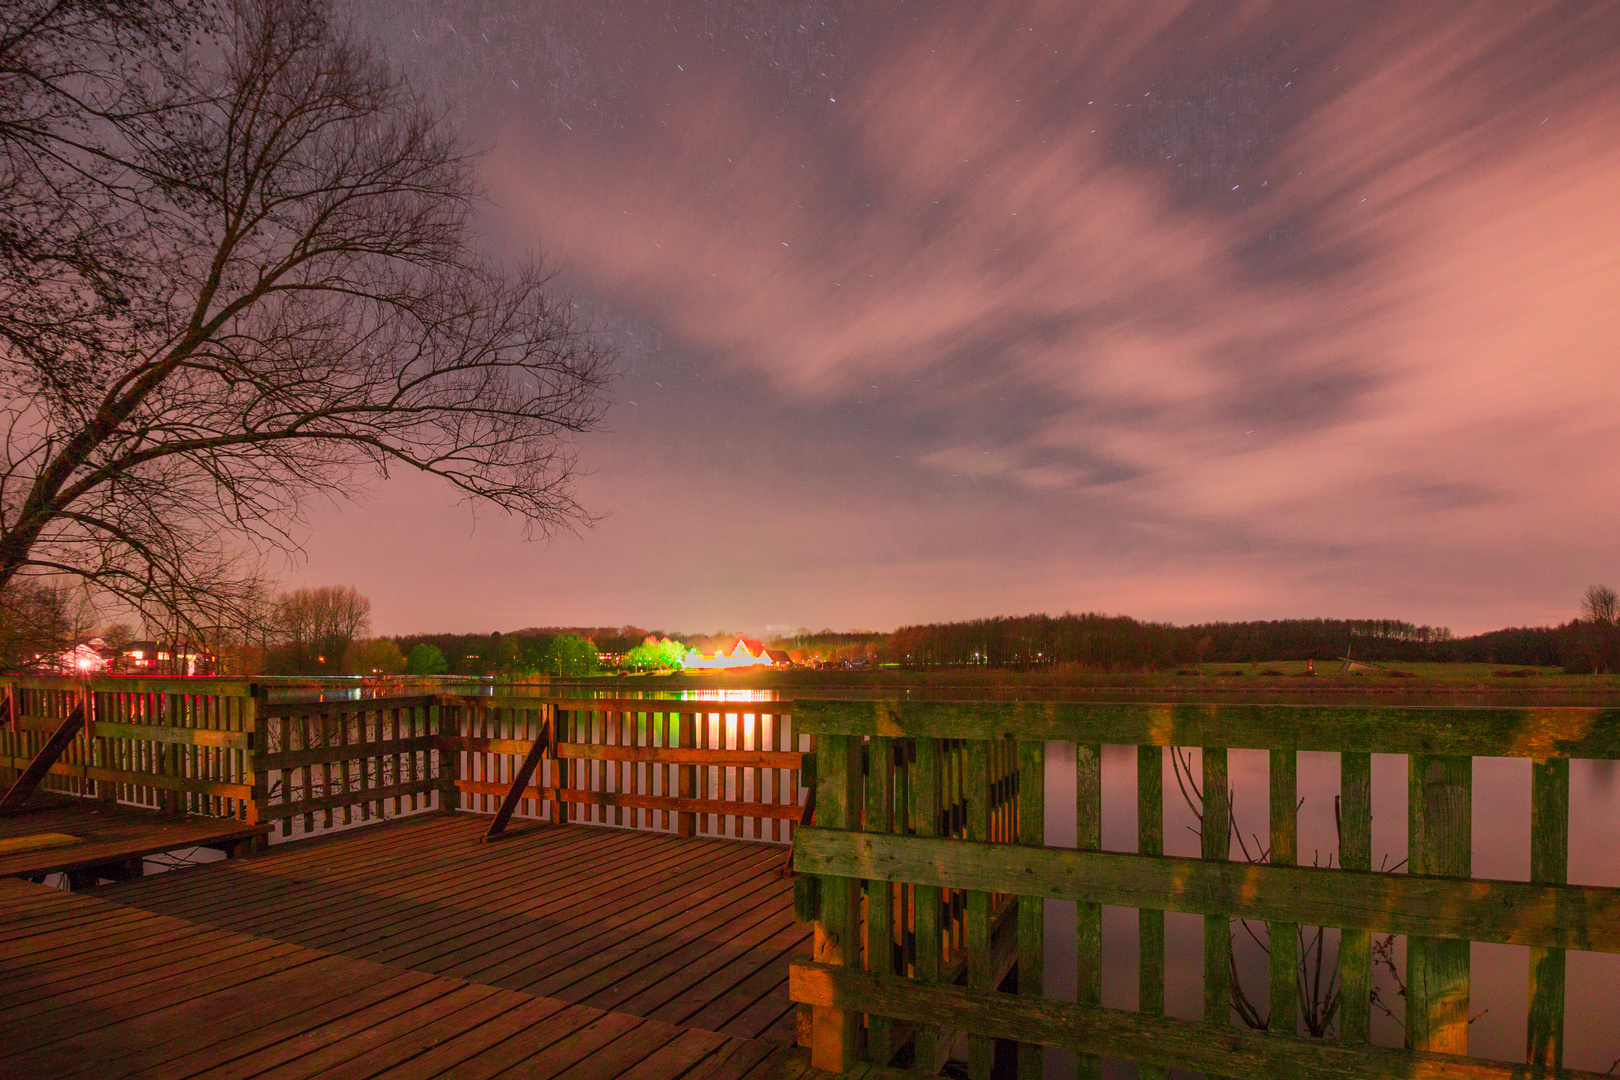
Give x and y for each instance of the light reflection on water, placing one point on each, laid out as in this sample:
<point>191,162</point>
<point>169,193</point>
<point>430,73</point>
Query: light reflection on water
<point>1501,849</point>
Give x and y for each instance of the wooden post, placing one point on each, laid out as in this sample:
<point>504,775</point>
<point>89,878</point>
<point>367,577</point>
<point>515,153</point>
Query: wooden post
<point>686,820</point>
<point>1150,924</point>
<point>253,720</point>
<point>1031,909</point>
<point>1355,853</point>
<point>1216,836</point>
<point>1439,836</point>
<point>1549,862</point>
<point>1088,916</point>
<point>1284,943</point>
<point>445,721</point>
<point>879,894</point>
<point>924,810</point>
<point>835,1033</point>
<point>975,766</point>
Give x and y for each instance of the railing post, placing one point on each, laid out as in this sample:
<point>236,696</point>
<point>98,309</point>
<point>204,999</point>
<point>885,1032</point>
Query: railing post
<point>974,761</point>
<point>686,820</point>
<point>1284,937</point>
<point>253,720</point>
<point>1439,837</point>
<point>1031,909</point>
<point>879,894</point>
<point>1150,923</point>
<point>1549,862</point>
<point>835,1033</point>
<point>1355,853</point>
<point>1088,916</point>
<point>923,787</point>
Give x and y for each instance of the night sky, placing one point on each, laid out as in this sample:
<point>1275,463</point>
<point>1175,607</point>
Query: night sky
<point>931,311</point>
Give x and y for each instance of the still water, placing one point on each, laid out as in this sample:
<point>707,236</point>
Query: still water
<point>1501,849</point>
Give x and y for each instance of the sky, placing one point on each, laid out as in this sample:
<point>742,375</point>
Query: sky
<point>1185,311</point>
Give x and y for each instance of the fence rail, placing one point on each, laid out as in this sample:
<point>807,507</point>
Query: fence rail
<point>930,809</point>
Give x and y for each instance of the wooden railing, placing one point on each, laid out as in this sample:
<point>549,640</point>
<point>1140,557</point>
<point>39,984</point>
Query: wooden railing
<point>947,815</point>
<point>223,748</point>
<point>713,768</point>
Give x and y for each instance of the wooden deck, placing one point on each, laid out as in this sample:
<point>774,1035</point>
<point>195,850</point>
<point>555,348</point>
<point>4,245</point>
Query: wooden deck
<point>67,835</point>
<point>411,950</point>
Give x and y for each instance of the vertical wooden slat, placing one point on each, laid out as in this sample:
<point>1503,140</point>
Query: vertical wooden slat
<point>1439,838</point>
<point>1150,923</point>
<point>1088,916</point>
<point>1284,940</point>
<point>1031,909</point>
<point>687,775</point>
<point>975,763</point>
<point>879,894</point>
<point>1355,853</point>
<point>927,934</point>
<point>1216,843</point>
<point>1549,862</point>
<point>835,1033</point>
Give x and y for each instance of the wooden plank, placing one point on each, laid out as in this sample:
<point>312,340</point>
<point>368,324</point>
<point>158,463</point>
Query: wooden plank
<point>1184,1044</point>
<point>1283,937</point>
<point>1031,909</point>
<point>1088,914</point>
<point>1505,912</point>
<point>974,762</point>
<point>581,797</point>
<point>1549,862</point>
<point>879,792</point>
<point>1355,853</point>
<point>1439,842</point>
<point>924,784</point>
<point>1215,839</point>
<point>346,752</point>
<point>190,736</point>
<point>136,777</point>
<point>520,781</point>
<point>1150,921</point>
<point>834,1046</point>
<point>1480,732</point>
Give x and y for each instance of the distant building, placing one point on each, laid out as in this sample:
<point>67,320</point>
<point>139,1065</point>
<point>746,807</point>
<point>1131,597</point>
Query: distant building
<point>743,653</point>
<point>86,658</point>
<point>156,658</point>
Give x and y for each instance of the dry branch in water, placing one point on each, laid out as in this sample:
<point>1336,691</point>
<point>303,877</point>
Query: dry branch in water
<point>237,267</point>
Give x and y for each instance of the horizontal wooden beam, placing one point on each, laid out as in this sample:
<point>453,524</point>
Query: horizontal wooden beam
<point>228,740</point>
<point>188,686</point>
<point>656,755</point>
<point>219,788</point>
<point>623,705</point>
<point>276,710</point>
<point>1211,1049</point>
<point>1477,732</point>
<point>355,751</point>
<point>1504,912</point>
<point>728,807</point>
<point>275,811</point>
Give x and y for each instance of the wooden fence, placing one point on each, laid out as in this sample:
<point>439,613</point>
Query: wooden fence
<point>929,813</point>
<point>223,748</point>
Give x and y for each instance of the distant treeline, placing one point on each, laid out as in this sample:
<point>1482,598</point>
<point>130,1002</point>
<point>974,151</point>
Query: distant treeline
<point>1120,643</point>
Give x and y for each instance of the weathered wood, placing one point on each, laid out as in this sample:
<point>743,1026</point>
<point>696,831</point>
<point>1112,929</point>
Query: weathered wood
<point>42,762</point>
<point>879,894</point>
<point>348,752</point>
<point>1355,853</point>
<point>1439,842</point>
<point>975,762</point>
<point>1283,940</point>
<point>1031,909</point>
<point>1479,732</point>
<point>924,783</point>
<point>1549,862</point>
<point>520,781</point>
<point>835,1035</point>
<point>1215,838</point>
<point>1184,1044</point>
<point>583,797</point>
<point>190,736</point>
<point>1504,912</point>
<point>1150,921</point>
<point>1088,915</point>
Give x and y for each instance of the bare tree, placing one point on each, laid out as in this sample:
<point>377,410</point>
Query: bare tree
<point>239,269</point>
<point>317,627</point>
<point>1601,605</point>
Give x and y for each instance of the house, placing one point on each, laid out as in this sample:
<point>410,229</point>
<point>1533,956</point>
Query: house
<point>156,658</point>
<point>743,653</point>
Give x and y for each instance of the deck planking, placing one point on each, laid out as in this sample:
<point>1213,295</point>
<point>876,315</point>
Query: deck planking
<point>107,834</point>
<point>694,932</point>
<point>120,1000</point>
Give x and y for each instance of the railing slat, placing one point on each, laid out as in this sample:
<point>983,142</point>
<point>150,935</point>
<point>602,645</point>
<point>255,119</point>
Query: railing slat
<point>1549,862</point>
<point>1031,909</point>
<point>1088,916</point>
<point>924,782</point>
<point>1283,936</point>
<point>879,894</point>
<point>834,1044</point>
<point>1355,853</point>
<point>1439,840</point>
<point>1216,840</point>
<point>1149,921</point>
